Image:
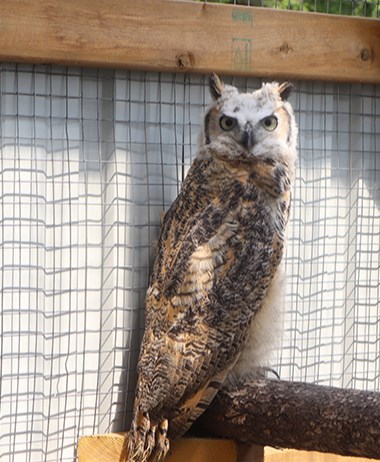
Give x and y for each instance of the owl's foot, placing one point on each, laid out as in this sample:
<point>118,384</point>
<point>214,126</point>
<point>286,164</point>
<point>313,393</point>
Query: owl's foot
<point>141,440</point>
<point>162,443</point>
<point>147,442</point>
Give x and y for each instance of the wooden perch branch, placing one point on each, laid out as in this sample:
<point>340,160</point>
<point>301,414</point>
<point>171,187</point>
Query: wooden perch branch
<point>298,416</point>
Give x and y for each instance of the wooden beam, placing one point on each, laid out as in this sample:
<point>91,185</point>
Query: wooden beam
<point>110,448</point>
<point>167,35</point>
<point>291,455</point>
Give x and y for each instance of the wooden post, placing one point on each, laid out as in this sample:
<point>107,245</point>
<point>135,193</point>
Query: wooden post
<point>250,453</point>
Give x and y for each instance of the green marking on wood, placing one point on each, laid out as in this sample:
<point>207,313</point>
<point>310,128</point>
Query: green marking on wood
<point>240,15</point>
<point>241,54</point>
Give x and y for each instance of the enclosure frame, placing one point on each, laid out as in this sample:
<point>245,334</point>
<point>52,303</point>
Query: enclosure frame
<point>231,40</point>
<point>188,36</point>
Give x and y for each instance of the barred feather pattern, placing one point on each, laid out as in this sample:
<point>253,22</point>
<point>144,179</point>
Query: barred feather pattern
<point>220,247</point>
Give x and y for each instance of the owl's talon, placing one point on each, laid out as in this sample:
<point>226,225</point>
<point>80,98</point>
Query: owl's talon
<point>162,442</point>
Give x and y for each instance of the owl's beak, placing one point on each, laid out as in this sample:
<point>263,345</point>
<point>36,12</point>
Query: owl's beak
<point>248,139</point>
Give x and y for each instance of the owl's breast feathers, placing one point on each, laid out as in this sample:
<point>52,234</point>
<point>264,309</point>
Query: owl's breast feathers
<point>220,246</point>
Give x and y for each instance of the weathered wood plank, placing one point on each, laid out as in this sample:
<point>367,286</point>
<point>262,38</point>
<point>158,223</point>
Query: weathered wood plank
<point>167,35</point>
<point>109,448</point>
<point>291,455</point>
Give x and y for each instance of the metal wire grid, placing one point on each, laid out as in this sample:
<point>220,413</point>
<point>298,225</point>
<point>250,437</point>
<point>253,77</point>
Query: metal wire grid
<point>333,257</point>
<point>89,160</point>
<point>365,8</point>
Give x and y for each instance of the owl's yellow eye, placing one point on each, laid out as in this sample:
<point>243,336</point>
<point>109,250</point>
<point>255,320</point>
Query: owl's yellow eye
<point>227,123</point>
<point>269,123</point>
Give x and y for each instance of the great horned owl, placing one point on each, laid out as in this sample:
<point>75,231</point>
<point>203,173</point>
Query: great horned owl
<point>217,272</point>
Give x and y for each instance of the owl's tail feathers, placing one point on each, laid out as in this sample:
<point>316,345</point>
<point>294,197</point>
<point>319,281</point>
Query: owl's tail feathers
<point>146,442</point>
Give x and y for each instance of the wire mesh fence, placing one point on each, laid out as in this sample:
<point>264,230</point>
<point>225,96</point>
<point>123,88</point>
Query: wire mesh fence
<point>89,160</point>
<point>364,8</point>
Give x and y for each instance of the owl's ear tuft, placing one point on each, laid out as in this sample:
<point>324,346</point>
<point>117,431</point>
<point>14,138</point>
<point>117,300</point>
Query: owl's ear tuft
<point>216,86</point>
<point>285,89</point>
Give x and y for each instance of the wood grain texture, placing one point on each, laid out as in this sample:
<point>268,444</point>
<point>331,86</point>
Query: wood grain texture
<point>110,448</point>
<point>291,455</point>
<point>297,416</point>
<point>167,35</point>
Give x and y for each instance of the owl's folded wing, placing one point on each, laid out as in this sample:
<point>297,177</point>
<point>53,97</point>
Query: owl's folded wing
<point>197,314</point>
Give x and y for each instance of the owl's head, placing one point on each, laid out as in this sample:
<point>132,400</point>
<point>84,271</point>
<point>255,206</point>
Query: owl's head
<point>245,125</point>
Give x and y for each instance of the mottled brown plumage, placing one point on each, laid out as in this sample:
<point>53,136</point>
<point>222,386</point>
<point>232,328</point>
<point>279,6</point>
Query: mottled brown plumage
<point>217,264</point>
